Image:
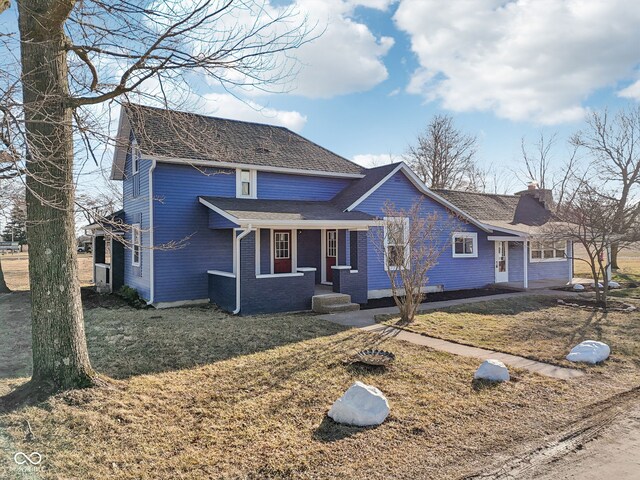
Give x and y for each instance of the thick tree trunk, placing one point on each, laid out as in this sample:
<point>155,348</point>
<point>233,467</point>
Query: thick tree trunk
<point>60,357</point>
<point>3,285</point>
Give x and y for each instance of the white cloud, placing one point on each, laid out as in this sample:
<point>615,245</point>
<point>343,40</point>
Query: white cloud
<point>632,91</point>
<point>347,57</point>
<point>370,160</point>
<point>523,59</point>
<point>341,54</point>
<point>181,96</point>
<point>227,106</point>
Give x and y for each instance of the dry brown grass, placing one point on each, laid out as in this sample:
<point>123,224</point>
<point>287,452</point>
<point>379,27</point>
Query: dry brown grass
<point>16,270</point>
<point>537,328</point>
<point>628,259</point>
<point>228,397</point>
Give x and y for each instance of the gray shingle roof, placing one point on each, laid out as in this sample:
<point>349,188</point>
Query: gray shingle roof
<point>359,187</point>
<point>255,209</point>
<point>499,209</point>
<point>174,134</point>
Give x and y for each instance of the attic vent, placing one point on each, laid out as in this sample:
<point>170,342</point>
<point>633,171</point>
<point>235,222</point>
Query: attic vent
<point>262,150</point>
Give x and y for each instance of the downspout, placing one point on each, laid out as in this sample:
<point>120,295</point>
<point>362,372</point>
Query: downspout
<point>152,277</point>
<point>238,238</point>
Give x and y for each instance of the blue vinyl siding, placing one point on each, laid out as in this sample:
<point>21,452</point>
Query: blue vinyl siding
<point>451,273</point>
<point>537,270</point>
<point>279,186</point>
<point>560,269</point>
<point>136,208</point>
<point>181,273</point>
<point>218,221</point>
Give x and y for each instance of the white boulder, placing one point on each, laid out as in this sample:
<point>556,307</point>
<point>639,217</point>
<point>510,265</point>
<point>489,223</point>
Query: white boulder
<point>578,288</point>
<point>589,351</point>
<point>493,370</point>
<point>613,284</point>
<point>600,286</point>
<point>361,405</point>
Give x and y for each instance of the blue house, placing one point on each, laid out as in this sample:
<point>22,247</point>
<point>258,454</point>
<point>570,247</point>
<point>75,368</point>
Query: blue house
<point>256,218</point>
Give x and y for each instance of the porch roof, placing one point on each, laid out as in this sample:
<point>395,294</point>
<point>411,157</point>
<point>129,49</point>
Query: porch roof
<point>550,229</point>
<point>243,211</point>
<point>113,222</point>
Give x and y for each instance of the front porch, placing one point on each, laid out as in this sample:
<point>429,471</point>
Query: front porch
<point>283,270</point>
<point>523,263</point>
<point>285,253</point>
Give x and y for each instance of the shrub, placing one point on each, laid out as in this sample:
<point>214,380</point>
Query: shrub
<point>131,296</point>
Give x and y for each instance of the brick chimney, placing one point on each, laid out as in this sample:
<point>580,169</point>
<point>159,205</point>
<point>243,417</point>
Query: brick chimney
<point>543,195</point>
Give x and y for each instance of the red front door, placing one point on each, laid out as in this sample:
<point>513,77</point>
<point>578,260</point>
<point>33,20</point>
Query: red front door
<point>282,251</point>
<point>332,252</point>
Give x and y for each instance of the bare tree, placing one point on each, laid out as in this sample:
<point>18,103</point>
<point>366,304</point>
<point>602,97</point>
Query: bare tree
<point>10,196</point>
<point>538,161</point>
<point>409,244</point>
<point>540,166</point>
<point>444,157</point>
<point>613,144</point>
<point>588,220</point>
<point>75,56</point>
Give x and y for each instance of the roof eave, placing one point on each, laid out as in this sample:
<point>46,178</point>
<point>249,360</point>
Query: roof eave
<point>121,146</point>
<point>245,222</point>
<point>249,166</point>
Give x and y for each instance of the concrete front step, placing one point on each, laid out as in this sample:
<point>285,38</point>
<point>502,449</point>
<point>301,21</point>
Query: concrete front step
<point>338,308</point>
<point>330,299</point>
<point>332,303</point>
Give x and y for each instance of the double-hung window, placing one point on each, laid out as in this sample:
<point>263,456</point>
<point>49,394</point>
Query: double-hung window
<point>396,248</point>
<point>246,183</point>
<point>548,251</point>
<point>136,244</point>
<point>464,245</point>
<point>135,157</point>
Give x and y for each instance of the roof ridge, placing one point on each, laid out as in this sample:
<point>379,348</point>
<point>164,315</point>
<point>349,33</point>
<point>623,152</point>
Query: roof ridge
<point>510,195</point>
<point>386,165</point>
<point>212,117</point>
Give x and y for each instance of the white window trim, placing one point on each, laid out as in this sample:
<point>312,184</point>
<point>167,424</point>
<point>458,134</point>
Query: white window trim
<point>546,260</point>
<point>473,236</point>
<point>135,157</point>
<point>253,178</point>
<point>135,229</point>
<point>407,253</point>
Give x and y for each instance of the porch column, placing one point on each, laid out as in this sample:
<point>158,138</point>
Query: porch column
<point>525,267</point>
<point>93,257</point>
<point>353,279</point>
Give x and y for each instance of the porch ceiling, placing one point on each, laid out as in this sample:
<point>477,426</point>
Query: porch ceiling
<point>262,212</point>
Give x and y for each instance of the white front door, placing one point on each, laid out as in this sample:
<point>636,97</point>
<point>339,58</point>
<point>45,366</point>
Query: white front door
<point>502,262</point>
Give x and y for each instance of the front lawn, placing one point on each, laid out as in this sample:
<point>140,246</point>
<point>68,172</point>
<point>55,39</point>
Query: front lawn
<point>200,394</point>
<point>538,328</point>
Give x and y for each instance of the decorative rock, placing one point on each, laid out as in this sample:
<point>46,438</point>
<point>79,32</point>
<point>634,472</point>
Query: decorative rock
<point>600,286</point>
<point>361,405</point>
<point>613,284</point>
<point>589,351</point>
<point>578,288</point>
<point>493,370</point>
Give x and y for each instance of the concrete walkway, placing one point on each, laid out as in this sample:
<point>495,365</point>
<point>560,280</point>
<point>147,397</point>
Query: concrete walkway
<point>365,320</point>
